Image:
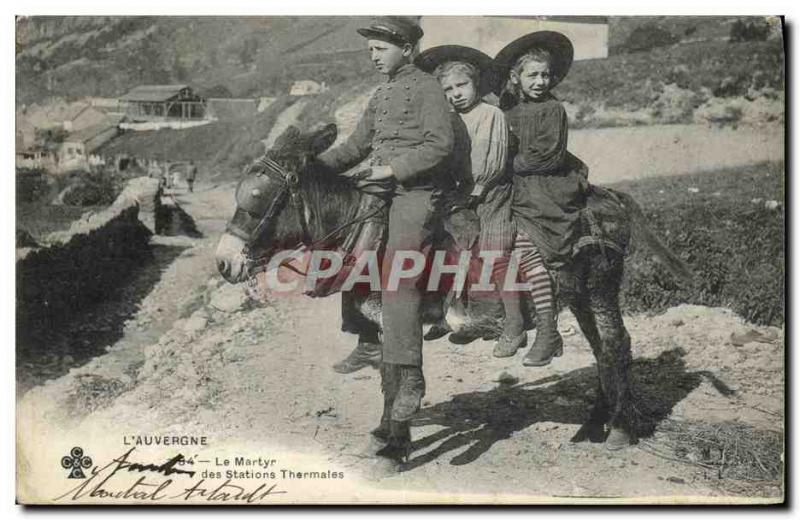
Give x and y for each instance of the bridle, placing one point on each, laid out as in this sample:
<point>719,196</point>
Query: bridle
<point>289,182</point>
<point>290,189</point>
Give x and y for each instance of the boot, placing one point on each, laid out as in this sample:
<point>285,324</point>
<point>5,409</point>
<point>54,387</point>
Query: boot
<point>465,336</point>
<point>508,346</point>
<point>548,343</point>
<point>437,330</point>
<point>409,393</point>
<point>364,355</point>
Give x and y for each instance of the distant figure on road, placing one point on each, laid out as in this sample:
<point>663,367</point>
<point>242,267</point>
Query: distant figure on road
<point>167,175</point>
<point>191,173</point>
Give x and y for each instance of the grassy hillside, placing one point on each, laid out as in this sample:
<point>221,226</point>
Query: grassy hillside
<point>99,56</point>
<point>670,83</point>
<point>105,56</point>
<point>729,227</point>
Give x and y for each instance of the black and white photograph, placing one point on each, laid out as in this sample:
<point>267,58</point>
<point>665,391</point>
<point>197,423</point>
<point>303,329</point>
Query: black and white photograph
<point>400,259</point>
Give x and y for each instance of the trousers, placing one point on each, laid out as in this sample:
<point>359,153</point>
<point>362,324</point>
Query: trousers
<point>411,228</point>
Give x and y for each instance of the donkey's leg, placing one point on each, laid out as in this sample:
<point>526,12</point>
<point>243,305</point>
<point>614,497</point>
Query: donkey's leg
<point>594,428</point>
<point>614,359</point>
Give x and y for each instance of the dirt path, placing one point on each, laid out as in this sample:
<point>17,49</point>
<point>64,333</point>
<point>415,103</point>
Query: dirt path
<point>197,358</point>
<point>629,153</point>
<point>260,377</point>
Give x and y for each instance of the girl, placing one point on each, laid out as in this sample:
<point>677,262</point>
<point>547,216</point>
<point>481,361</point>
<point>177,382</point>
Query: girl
<point>466,75</point>
<point>549,183</point>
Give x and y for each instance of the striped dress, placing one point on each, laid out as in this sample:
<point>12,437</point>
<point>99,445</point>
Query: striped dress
<point>488,133</point>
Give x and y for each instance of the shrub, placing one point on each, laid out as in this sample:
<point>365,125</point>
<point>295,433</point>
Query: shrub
<point>734,246</point>
<point>742,31</point>
<point>31,185</point>
<point>648,37</point>
<point>93,188</point>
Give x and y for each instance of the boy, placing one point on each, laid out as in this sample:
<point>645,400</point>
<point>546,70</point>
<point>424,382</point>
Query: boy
<point>408,132</point>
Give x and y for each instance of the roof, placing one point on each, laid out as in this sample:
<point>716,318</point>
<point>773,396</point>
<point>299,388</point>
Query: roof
<point>74,110</point>
<point>88,133</point>
<point>153,93</point>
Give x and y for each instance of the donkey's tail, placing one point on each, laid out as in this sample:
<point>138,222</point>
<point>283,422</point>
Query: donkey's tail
<point>643,234</point>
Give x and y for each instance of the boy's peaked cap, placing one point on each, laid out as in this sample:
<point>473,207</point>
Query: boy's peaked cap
<point>398,30</point>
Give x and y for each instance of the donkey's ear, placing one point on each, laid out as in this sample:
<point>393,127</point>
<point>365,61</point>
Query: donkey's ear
<point>289,135</point>
<point>322,136</point>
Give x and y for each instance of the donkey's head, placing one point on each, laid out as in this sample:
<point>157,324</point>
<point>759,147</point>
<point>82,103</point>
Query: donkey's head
<point>270,209</point>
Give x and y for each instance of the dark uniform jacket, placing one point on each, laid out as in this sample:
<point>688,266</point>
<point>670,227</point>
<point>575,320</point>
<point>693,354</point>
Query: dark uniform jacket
<point>407,125</point>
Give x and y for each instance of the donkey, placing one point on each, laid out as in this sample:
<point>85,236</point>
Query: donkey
<point>283,201</point>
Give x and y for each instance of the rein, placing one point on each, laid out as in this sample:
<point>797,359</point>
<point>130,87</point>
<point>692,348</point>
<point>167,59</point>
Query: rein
<point>292,183</point>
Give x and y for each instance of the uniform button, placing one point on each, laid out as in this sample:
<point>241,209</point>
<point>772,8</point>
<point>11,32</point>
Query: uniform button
<point>380,120</point>
<point>386,98</point>
<point>385,112</point>
<point>391,148</point>
<point>388,87</point>
<point>408,87</point>
<point>397,132</point>
<point>401,122</point>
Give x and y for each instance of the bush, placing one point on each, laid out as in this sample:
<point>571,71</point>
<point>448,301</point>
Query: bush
<point>648,37</point>
<point>92,188</point>
<point>731,239</point>
<point>742,31</point>
<point>31,185</point>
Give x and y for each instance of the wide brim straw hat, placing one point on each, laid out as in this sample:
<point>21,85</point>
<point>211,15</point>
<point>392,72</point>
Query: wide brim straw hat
<point>431,58</point>
<point>559,46</point>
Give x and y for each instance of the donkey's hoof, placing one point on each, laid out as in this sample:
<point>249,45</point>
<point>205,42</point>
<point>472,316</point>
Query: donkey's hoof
<point>590,431</point>
<point>369,448</point>
<point>379,468</point>
<point>382,432</point>
<point>618,439</point>
<point>397,450</point>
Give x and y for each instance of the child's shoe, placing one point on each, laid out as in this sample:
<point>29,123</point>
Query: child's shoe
<point>507,346</point>
<point>548,343</point>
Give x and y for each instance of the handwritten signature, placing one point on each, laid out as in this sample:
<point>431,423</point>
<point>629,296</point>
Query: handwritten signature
<point>100,485</point>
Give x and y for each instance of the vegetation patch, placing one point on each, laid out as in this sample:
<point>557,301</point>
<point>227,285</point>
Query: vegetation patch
<point>728,226</point>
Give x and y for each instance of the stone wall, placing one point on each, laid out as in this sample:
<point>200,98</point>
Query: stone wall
<point>74,269</point>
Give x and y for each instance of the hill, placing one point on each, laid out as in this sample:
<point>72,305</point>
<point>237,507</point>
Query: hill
<point>74,57</point>
<point>105,56</point>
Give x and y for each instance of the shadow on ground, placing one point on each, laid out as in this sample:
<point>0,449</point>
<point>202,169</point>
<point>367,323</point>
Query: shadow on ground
<point>474,421</point>
<point>48,352</point>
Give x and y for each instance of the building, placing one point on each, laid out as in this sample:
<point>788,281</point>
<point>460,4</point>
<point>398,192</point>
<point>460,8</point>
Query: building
<point>76,151</point>
<point>589,34</point>
<point>307,87</point>
<point>163,102</point>
<point>60,114</point>
<point>24,132</point>
<point>80,116</point>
